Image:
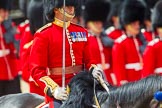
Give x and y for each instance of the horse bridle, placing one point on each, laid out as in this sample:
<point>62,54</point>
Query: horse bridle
<point>103,84</point>
<point>95,96</point>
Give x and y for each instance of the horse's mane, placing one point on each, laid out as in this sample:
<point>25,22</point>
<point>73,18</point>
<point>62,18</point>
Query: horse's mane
<point>136,91</point>
<point>82,95</point>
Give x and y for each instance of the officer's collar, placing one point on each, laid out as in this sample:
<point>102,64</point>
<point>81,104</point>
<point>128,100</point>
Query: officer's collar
<point>60,23</point>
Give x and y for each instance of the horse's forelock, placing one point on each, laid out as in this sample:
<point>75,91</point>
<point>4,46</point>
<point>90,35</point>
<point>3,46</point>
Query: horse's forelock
<point>82,92</point>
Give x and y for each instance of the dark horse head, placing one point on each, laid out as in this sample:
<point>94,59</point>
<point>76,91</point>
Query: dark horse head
<point>131,95</point>
<point>82,92</point>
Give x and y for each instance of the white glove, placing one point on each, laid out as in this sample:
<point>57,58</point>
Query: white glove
<point>97,73</point>
<point>60,93</point>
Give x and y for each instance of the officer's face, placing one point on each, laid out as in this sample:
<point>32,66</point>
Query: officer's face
<point>3,15</point>
<point>69,13</point>
<point>70,10</point>
<point>133,28</point>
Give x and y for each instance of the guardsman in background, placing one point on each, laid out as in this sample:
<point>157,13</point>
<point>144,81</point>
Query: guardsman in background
<point>46,52</point>
<point>112,25</point>
<point>23,4</point>
<point>152,56</point>
<point>95,14</point>
<point>35,15</point>
<point>9,79</point>
<point>21,29</point>
<point>127,59</point>
<point>78,11</point>
<point>147,30</point>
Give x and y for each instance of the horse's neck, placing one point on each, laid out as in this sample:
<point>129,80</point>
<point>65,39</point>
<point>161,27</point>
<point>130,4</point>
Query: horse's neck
<point>135,95</point>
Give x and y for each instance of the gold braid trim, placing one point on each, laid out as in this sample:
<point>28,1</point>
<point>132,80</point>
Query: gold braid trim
<point>27,45</point>
<point>49,84</point>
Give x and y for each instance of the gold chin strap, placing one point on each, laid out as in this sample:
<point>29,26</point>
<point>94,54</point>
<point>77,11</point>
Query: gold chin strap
<point>66,14</point>
<point>96,101</point>
<point>68,89</point>
<point>61,23</point>
<point>91,24</point>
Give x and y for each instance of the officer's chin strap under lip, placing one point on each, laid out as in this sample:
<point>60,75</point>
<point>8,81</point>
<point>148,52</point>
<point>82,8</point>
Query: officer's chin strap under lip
<point>66,14</point>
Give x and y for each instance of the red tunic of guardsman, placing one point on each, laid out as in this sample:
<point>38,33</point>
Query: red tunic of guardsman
<point>21,29</point>
<point>127,59</point>
<point>152,58</point>
<point>35,10</point>
<point>102,56</point>
<point>25,46</point>
<point>147,30</point>
<point>113,33</point>
<point>26,43</point>
<point>99,42</point>
<point>148,35</point>
<point>7,58</point>
<point>113,30</point>
<point>152,55</point>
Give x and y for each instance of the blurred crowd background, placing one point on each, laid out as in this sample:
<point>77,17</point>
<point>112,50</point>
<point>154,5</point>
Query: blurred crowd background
<point>21,24</point>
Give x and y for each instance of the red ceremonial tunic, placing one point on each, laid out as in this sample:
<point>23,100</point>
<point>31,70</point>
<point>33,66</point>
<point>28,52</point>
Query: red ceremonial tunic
<point>148,35</point>
<point>46,53</point>
<point>25,45</point>
<point>152,58</point>
<point>113,33</point>
<point>127,61</point>
<point>102,56</point>
<point>8,67</point>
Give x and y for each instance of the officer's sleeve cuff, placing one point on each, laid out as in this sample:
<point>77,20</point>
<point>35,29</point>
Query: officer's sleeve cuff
<point>50,85</point>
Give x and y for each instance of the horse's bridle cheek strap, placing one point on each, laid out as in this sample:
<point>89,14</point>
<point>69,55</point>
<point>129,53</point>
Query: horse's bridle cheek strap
<point>95,96</point>
<point>96,101</point>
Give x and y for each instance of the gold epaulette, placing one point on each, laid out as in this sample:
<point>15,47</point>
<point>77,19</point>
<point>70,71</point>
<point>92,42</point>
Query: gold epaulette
<point>44,27</point>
